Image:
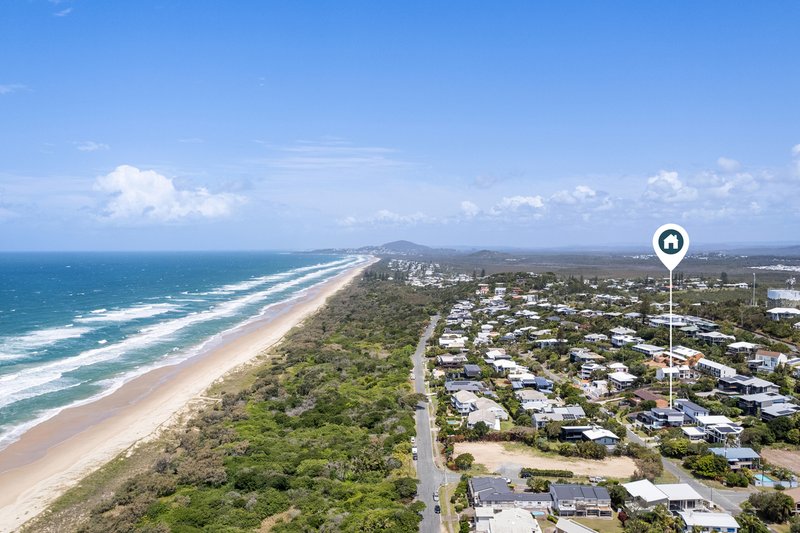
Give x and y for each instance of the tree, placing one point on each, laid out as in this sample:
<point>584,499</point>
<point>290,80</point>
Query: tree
<point>709,466</point>
<point>675,447</point>
<point>406,487</point>
<point>618,495</point>
<point>464,461</point>
<point>750,523</point>
<point>772,506</point>
<point>538,484</point>
<point>724,278</point>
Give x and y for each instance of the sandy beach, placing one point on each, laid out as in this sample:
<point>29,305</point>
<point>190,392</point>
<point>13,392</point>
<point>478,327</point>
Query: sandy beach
<point>56,454</point>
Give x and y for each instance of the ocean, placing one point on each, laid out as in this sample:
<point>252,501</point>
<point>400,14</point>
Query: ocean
<point>76,326</point>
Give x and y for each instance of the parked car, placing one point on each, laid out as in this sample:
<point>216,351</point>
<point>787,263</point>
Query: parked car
<point>436,496</point>
<point>437,509</point>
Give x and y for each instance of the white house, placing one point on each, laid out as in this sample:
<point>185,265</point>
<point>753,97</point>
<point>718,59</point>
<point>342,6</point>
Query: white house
<point>487,404</point>
<point>680,372</point>
<point>623,340</point>
<point>588,369</point>
<point>485,416</point>
<point>718,370</point>
<point>595,337</point>
<point>781,313</point>
<point>706,522</point>
<point>647,349</point>
<point>622,380</point>
<point>715,337</point>
<point>617,367</point>
<point>464,401</point>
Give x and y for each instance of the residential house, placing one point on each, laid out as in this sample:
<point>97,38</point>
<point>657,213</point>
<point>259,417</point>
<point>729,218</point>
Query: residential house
<point>690,409</point>
<point>754,404</point>
<point>739,458</point>
<point>739,384</point>
<point>601,436</point>
<point>487,404</point>
<point>582,355</point>
<point>622,380</point>
<point>595,337</point>
<point>742,347</point>
<point>661,417</point>
<point>588,369</point>
<point>513,521</point>
<point>464,402</point>
<point>719,429</point>
<point>617,367</point>
<point>781,313</point>
<point>467,385</point>
<point>673,496</point>
<point>574,433</point>
<point>620,330</point>
<point>647,349</point>
<point>472,371</point>
<point>558,414</point>
<point>544,385</point>
<point>712,368</point>
<point>680,372</point>
<point>452,341</point>
<point>767,361</point>
<point>706,522</point>
<point>521,380</point>
<point>715,337</point>
<point>623,340</point>
<point>451,360</point>
<point>778,410</point>
<point>486,416</point>
<point>580,500</point>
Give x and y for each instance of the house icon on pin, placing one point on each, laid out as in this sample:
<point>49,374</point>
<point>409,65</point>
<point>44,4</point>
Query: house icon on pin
<point>670,242</point>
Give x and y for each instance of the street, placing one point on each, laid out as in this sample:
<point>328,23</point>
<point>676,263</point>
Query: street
<point>429,475</point>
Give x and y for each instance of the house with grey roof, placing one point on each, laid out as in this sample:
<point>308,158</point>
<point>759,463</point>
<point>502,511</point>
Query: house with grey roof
<point>739,458</point>
<point>581,501</point>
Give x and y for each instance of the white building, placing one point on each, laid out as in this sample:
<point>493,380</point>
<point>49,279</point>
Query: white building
<point>706,522</point>
<point>712,368</point>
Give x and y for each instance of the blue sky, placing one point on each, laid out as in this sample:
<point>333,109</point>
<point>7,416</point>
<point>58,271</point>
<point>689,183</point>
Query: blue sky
<point>294,125</point>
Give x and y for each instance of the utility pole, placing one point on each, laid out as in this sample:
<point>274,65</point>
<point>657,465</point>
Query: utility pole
<point>754,289</point>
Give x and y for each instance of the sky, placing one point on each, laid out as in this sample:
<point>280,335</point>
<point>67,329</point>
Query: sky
<point>166,125</point>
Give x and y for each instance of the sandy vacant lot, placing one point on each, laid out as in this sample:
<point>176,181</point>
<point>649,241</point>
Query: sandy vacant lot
<point>496,455</point>
<point>785,458</point>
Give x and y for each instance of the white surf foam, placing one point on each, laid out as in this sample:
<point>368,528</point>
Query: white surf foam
<point>128,314</point>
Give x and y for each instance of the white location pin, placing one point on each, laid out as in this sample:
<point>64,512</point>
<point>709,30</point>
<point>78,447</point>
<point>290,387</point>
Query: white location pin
<point>671,242</point>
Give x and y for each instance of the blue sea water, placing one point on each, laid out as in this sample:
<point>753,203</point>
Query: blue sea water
<point>74,326</point>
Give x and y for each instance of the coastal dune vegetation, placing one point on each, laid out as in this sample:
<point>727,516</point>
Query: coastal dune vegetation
<point>319,441</point>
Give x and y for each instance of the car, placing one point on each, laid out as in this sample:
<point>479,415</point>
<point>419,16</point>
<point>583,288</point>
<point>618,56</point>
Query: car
<point>436,496</point>
<point>437,509</point>
<point>413,440</point>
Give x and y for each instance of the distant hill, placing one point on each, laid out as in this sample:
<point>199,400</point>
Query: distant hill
<point>407,247</point>
<point>402,248</point>
<point>488,254</point>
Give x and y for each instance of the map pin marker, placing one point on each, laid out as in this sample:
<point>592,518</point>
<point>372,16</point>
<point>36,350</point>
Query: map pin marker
<point>671,242</point>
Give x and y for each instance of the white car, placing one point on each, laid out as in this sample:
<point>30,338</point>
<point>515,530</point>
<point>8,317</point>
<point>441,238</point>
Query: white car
<point>436,496</point>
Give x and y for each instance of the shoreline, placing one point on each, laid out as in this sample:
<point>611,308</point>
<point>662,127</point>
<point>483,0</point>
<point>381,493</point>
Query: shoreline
<point>56,454</point>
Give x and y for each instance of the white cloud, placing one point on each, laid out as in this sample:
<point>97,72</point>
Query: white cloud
<point>796,150</point>
<point>91,146</point>
<point>728,165</point>
<point>580,194</point>
<point>385,217</point>
<point>330,155</point>
<point>667,187</point>
<point>145,195</point>
<point>11,88</point>
<point>469,208</point>
<point>515,203</point>
<point>63,12</point>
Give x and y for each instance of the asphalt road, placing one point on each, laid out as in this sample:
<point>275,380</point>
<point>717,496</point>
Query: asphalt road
<point>429,475</point>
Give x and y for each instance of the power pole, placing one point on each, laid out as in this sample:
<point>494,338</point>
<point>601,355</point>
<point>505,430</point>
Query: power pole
<point>754,289</point>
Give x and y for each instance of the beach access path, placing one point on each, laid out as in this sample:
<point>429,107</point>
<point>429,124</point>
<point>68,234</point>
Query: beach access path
<point>56,454</point>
